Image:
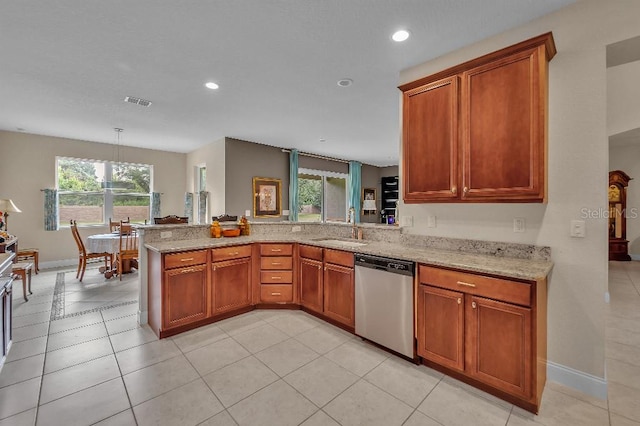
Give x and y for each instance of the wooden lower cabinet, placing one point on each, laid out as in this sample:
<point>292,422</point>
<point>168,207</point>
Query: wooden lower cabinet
<point>488,331</point>
<point>184,296</point>
<point>231,284</point>
<point>498,336</point>
<point>442,344</point>
<point>339,287</point>
<point>276,274</point>
<point>311,284</point>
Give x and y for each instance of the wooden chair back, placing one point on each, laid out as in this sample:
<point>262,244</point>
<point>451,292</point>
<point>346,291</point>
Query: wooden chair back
<point>114,225</point>
<point>171,219</point>
<point>128,242</point>
<point>76,236</point>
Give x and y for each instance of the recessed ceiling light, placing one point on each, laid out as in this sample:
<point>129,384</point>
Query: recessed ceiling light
<point>400,35</point>
<point>211,85</point>
<point>345,82</point>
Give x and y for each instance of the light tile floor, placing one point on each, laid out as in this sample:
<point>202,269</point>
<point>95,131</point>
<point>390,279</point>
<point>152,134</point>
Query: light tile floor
<point>265,368</point>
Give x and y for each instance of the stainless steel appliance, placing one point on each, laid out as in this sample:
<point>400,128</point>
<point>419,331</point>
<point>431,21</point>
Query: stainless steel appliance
<point>384,302</point>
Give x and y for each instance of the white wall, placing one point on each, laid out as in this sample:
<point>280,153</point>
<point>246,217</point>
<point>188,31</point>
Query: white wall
<point>577,176</point>
<point>29,165</point>
<point>213,157</point>
<point>623,98</point>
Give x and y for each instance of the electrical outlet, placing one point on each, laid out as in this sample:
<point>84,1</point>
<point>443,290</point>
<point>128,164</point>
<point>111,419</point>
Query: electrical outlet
<point>296,228</point>
<point>166,234</point>
<point>406,221</point>
<point>578,229</point>
<point>431,222</point>
<point>518,224</point>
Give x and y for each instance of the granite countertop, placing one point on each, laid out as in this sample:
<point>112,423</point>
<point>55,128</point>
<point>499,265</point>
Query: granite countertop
<point>526,269</point>
<point>5,260</point>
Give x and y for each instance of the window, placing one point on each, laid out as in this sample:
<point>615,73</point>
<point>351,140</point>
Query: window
<point>322,196</point>
<point>91,192</point>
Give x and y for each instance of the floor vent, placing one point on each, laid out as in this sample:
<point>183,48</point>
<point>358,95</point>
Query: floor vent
<point>137,101</point>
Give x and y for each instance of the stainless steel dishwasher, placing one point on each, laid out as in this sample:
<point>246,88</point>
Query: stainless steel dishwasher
<point>384,302</point>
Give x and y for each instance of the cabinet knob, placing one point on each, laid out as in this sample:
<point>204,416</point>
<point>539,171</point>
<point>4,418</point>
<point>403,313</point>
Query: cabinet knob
<point>454,189</point>
<point>473,305</point>
<point>459,300</point>
<point>465,190</point>
<point>319,267</point>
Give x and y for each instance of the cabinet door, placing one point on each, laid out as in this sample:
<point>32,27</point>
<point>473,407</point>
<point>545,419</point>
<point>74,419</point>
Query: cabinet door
<point>430,141</point>
<point>231,281</point>
<point>499,344</point>
<point>311,294</point>
<point>339,293</point>
<point>503,122</point>
<point>441,326</point>
<point>184,296</point>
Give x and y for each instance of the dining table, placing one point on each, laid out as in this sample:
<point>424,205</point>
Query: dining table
<point>109,243</point>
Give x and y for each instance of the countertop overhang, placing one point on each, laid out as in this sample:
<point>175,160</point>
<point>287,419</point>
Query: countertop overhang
<point>521,269</point>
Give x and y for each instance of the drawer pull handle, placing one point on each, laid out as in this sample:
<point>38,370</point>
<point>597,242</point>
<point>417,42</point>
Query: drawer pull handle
<point>276,250</point>
<point>186,259</point>
<point>473,305</point>
<point>466,284</point>
<point>459,300</point>
<point>276,263</point>
<point>233,253</point>
<point>186,271</point>
<point>276,294</point>
<point>276,278</point>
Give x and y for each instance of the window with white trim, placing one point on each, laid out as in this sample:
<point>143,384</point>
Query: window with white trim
<point>91,192</point>
<point>322,196</point>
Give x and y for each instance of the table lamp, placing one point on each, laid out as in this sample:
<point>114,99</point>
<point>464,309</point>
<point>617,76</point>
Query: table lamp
<point>7,206</point>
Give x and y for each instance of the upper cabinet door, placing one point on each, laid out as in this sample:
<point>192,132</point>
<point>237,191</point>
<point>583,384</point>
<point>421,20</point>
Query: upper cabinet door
<point>430,141</point>
<point>477,132</point>
<point>503,128</point>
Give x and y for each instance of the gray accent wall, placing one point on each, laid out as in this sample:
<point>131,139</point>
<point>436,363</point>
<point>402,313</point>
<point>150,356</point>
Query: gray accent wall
<point>245,160</point>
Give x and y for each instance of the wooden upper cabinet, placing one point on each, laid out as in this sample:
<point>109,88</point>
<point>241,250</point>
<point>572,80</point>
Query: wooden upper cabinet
<point>430,154</point>
<point>477,131</point>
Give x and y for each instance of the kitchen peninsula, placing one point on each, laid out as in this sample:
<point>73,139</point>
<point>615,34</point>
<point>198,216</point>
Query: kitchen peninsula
<point>482,289</point>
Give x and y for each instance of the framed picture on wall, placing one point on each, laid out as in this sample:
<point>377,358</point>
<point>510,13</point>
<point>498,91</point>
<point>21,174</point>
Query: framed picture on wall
<point>369,200</point>
<point>267,197</point>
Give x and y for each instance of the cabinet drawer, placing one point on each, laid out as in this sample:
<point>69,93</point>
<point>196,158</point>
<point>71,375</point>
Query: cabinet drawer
<point>276,249</point>
<point>493,288</point>
<point>276,277</point>
<point>187,258</point>
<point>234,252</point>
<point>337,257</point>
<point>274,293</point>
<point>311,252</point>
<point>276,263</point>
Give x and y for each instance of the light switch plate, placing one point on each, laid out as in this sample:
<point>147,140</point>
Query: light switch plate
<point>519,224</point>
<point>431,222</point>
<point>406,221</point>
<point>247,213</point>
<point>578,229</point>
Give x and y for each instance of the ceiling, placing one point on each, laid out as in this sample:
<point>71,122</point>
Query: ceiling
<point>67,66</point>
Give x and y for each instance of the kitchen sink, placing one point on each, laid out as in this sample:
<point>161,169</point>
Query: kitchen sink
<point>343,243</point>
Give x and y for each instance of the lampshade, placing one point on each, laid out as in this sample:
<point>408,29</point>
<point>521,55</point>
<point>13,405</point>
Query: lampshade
<point>369,205</point>
<point>9,207</point>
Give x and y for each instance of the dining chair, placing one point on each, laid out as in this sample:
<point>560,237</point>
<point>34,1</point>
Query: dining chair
<point>115,224</point>
<point>171,219</point>
<point>128,248</point>
<point>83,255</point>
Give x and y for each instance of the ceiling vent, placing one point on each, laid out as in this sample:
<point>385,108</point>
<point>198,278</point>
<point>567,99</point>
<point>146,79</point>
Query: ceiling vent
<point>137,101</point>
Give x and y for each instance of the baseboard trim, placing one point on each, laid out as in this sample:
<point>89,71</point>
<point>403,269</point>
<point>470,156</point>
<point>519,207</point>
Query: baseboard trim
<point>583,382</point>
<point>634,256</point>
<point>58,263</point>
